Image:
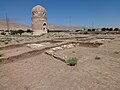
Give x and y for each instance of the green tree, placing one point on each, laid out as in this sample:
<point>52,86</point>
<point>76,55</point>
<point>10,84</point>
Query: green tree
<point>3,33</point>
<point>111,29</point>
<point>103,29</point>
<point>20,31</point>
<point>29,31</point>
<point>116,29</point>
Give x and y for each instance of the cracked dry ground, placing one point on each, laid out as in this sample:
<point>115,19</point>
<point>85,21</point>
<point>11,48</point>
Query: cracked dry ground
<point>43,72</point>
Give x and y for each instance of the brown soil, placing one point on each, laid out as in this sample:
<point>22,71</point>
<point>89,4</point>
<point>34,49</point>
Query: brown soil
<point>24,68</point>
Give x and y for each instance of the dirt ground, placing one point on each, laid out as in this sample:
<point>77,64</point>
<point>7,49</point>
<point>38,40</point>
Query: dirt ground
<point>35,70</point>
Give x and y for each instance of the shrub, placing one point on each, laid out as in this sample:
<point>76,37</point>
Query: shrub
<point>29,31</point>
<point>2,40</point>
<point>3,33</point>
<point>116,52</point>
<point>116,29</point>
<point>8,39</point>
<point>97,58</point>
<point>85,32</point>
<point>89,29</point>
<point>13,32</point>
<point>20,31</point>
<point>6,30</point>
<point>17,41</point>
<point>72,61</point>
<point>6,42</point>
<point>1,55</point>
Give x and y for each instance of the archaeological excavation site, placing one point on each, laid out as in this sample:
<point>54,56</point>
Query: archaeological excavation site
<point>63,61</point>
<point>63,45</point>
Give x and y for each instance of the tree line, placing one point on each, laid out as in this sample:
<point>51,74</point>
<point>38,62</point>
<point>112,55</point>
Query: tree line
<point>16,32</point>
<point>105,29</point>
<point>110,29</point>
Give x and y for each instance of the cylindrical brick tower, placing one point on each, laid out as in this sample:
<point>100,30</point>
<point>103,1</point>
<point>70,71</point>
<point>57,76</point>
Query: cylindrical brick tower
<point>39,20</point>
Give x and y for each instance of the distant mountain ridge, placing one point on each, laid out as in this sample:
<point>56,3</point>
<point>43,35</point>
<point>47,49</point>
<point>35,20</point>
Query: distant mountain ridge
<point>63,27</point>
<point>13,26</point>
<point>17,26</point>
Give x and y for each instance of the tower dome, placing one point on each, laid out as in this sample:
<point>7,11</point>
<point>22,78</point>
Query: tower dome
<point>38,9</point>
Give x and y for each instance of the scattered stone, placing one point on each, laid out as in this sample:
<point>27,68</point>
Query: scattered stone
<point>50,51</point>
<point>73,51</point>
<point>54,49</point>
<point>116,52</point>
<point>64,47</point>
<point>64,57</point>
<point>59,48</point>
<point>34,45</point>
<point>55,56</point>
<point>70,46</point>
<point>97,58</point>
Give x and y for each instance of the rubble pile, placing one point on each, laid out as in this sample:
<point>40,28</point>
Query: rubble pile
<point>52,51</point>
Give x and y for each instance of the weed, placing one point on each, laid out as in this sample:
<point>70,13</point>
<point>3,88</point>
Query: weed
<point>8,39</point>
<point>6,42</point>
<point>72,61</point>
<point>97,58</point>
<point>3,33</point>
<point>1,55</point>
<point>73,51</point>
<point>17,41</point>
<point>116,52</point>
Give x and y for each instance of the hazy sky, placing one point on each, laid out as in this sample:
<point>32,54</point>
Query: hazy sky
<point>104,13</point>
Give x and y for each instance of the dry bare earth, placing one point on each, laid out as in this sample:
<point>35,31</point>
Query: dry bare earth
<point>43,72</point>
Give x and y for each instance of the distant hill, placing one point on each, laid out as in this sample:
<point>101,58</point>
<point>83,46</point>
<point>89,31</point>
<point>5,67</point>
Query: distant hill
<point>16,26</point>
<point>13,26</point>
<point>63,27</point>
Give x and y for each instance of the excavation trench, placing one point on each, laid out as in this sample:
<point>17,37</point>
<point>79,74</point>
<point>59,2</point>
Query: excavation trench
<point>56,57</point>
<point>110,38</point>
<point>21,45</point>
<point>70,38</point>
<point>67,46</point>
<point>55,40</point>
<point>27,54</point>
<point>36,52</point>
<point>88,44</point>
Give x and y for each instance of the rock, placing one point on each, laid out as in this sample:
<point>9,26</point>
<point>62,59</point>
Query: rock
<point>59,48</point>
<point>34,45</point>
<point>74,44</point>
<point>64,46</point>
<point>54,49</point>
<point>64,57</point>
<point>50,51</point>
<point>70,46</point>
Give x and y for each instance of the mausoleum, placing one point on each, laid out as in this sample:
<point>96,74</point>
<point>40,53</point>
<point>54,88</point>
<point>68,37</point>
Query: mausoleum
<point>39,20</point>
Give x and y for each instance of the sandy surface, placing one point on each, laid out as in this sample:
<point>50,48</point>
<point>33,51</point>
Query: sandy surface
<point>43,72</point>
